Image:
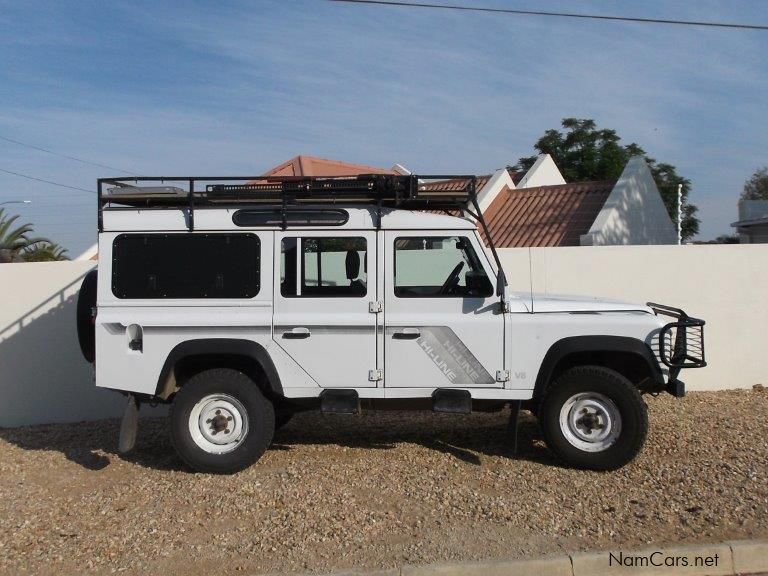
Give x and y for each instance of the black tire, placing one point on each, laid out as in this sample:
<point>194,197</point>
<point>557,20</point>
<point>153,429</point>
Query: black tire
<point>260,414</point>
<point>282,417</point>
<point>86,302</point>
<point>626,400</point>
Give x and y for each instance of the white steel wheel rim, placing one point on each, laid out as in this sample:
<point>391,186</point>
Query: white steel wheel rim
<point>218,423</point>
<point>590,421</point>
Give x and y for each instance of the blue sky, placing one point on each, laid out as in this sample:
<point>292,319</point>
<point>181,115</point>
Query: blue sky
<point>237,87</point>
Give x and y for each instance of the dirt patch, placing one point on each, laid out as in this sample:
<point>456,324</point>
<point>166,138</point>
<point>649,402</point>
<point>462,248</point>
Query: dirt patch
<point>376,491</point>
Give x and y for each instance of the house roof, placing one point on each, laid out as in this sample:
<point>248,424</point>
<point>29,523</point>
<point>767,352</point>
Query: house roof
<point>314,166</point>
<point>748,223</point>
<point>457,183</point>
<point>546,215</point>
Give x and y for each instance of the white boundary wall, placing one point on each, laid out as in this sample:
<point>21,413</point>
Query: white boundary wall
<point>43,377</point>
<point>726,285</point>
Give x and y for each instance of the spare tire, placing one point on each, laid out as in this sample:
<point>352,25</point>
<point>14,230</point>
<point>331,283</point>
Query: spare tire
<point>86,304</point>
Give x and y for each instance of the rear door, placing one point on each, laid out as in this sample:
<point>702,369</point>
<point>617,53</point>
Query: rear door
<point>321,316</point>
<point>443,324</point>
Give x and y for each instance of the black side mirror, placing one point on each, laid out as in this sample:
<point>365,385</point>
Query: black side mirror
<point>478,284</point>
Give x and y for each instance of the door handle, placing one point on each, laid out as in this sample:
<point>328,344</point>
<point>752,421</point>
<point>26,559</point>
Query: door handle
<point>407,334</point>
<point>297,333</point>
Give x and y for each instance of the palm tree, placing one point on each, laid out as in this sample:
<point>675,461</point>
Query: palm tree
<point>44,251</point>
<point>16,245</point>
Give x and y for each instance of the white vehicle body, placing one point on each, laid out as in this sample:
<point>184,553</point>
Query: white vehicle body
<point>243,310</point>
<point>348,345</point>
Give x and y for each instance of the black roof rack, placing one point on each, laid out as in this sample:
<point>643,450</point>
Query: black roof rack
<point>407,192</point>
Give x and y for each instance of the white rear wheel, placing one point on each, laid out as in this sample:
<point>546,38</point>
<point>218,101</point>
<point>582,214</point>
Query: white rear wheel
<point>221,422</point>
<point>218,423</point>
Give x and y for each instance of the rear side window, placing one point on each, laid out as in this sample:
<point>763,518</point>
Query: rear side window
<point>186,266</point>
<point>324,267</point>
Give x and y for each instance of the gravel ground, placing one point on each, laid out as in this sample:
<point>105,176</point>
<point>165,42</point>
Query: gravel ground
<point>375,491</point>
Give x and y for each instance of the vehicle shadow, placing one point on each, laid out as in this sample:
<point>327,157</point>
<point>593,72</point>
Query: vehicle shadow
<point>465,437</point>
<point>93,445</point>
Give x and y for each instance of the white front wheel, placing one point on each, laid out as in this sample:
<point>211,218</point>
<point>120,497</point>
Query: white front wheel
<point>593,417</point>
<point>590,421</point>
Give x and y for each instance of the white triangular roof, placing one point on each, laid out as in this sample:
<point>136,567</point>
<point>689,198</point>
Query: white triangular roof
<point>544,172</point>
<point>633,213</point>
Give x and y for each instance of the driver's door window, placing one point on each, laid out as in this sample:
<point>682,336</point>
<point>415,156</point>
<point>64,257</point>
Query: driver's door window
<point>438,267</point>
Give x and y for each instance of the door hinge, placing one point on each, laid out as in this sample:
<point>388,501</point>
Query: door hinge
<point>502,375</point>
<point>375,375</point>
<point>375,307</point>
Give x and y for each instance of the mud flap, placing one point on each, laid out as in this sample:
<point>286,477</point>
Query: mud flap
<point>129,426</point>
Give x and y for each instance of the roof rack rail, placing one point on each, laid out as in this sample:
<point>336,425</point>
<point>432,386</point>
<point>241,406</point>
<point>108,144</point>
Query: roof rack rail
<point>407,192</point>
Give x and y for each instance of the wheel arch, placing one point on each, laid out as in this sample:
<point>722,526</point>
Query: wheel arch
<point>192,356</point>
<point>629,356</point>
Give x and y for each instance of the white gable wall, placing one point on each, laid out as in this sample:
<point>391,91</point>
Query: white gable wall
<point>89,253</point>
<point>544,172</point>
<point>634,212</point>
<point>496,184</point>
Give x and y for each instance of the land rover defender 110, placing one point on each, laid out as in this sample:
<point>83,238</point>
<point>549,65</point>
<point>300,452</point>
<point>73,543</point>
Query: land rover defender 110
<point>240,301</point>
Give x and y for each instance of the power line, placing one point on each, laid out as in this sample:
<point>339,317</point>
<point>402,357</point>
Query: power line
<point>33,147</point>
<point>559,14</point>
<point>47,181</point>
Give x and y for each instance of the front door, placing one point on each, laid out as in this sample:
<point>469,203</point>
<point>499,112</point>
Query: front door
<point>321,316</point>
<point>443,325</point>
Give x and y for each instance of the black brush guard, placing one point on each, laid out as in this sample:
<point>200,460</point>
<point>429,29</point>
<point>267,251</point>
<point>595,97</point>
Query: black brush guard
<point>681,343</point>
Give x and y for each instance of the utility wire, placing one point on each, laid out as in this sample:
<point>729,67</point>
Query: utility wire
<point>559,14</point>
<point>47,181</point>
<point>33,147</point>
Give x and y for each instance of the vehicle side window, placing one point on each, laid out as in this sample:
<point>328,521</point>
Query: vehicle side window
<point>439,267</point>
<point>323,267</point>
<point>149,266</point>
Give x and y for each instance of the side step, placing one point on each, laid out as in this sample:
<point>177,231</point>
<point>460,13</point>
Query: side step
<point>452,401</point>
<point>339,402</point>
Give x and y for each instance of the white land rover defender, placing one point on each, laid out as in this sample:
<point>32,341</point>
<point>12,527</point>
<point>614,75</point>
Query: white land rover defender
<point>240,301</point>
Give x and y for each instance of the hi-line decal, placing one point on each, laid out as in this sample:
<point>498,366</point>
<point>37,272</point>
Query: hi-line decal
<point>451,356</point>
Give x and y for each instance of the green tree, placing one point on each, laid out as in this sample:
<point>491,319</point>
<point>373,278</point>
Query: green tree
<point>16,244</point>
<point>44,252</point>
<point>756,188</point>
<point>583,152</point>
<point>727,239</point>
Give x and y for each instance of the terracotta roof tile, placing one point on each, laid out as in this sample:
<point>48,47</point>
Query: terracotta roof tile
<point>546,215</point>
<point>313,166</point>
<point>456,184</point>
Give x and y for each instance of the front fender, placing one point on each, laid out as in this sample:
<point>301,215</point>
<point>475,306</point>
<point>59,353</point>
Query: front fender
<point>605,345</point>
